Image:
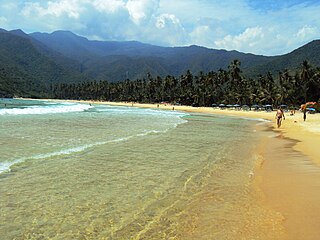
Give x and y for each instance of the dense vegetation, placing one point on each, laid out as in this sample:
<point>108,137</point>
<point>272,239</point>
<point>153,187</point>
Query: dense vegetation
<point>28,69</point>
<point>224,86</point>
<point>65,65</point>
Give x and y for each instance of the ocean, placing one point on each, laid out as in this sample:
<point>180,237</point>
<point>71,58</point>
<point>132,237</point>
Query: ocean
<point>92,171</point>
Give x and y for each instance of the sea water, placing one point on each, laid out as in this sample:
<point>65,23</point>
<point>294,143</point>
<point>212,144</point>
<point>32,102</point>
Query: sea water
<point>82,171</point>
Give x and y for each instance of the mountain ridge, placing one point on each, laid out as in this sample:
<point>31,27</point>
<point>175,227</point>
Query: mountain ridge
<point>174,60</point>
<point>69,58</point>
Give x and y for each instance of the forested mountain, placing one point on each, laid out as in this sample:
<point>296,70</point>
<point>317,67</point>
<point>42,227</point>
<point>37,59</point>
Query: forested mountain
<point>28,68</point>
<point>115,61</point>
<point>31,63</point>
<point>291,61</point>
<point>80,48</point>
<point>59,58</point>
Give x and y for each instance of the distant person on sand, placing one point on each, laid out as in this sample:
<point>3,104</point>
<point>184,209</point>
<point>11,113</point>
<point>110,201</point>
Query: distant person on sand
<point>279,116</point>
<point>292,112</point>
<point>304,114</point>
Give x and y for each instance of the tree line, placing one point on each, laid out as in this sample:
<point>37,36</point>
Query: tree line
<point>223,86</point>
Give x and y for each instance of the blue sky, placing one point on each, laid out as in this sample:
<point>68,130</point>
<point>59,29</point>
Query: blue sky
<point>268,27</point>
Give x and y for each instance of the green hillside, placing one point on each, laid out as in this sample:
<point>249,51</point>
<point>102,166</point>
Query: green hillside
<point>291,61</point>
<point>26,71</point>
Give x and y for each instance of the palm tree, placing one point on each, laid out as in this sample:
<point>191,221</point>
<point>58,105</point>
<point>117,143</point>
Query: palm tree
<point>186,82</point>
<point>235,83</point>
<point>235,71</point>
<point>305,77</point>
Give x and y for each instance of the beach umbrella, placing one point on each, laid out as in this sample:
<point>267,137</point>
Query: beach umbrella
<point>255,107</point>
<point>245,107</point>
<point>267,107</point>
<point>222,105</point>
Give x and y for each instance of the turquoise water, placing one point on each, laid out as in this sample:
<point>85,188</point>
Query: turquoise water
<point>81,171</point>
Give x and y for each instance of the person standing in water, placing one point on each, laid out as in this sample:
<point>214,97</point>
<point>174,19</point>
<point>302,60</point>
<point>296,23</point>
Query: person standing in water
<point>279,116</point>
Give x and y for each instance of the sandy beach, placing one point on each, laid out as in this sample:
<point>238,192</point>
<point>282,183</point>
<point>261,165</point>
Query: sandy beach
<point>288,177</point>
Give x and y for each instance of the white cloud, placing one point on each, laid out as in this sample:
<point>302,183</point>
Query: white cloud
<point>307,32</point>
<point>248,39</point>
<point>110,6</point>
<point>70,8</point>
<point>166,19</point>
<point>140,10</point>
<point>231,24</point>
<point>166,30</point>
<point>201,35</point>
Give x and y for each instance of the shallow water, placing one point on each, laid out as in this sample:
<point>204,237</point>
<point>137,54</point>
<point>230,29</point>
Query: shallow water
<point>75,171</point>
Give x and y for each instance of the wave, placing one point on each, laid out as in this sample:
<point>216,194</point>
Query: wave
<point>6,166</point>
<point>48,109</point>
<point>176,116</point>
<point>141,111</point>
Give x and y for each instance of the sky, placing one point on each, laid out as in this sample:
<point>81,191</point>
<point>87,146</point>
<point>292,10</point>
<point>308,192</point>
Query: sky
<point>266,27</point>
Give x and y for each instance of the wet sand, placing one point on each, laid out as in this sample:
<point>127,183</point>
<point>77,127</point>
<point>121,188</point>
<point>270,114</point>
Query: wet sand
<point>290,184</point>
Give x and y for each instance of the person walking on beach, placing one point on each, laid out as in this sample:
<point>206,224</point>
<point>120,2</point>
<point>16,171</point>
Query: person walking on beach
<point>304,114</point>
<point>279,116</point>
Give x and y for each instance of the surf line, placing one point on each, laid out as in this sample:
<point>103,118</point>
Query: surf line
<point>6,166</point>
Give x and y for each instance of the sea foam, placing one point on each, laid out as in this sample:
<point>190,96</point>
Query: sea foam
<point>48,109</point>
<point>6,166</point>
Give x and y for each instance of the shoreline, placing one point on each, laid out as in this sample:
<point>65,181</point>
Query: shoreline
<point>306,133</point>
<point>290,185</point>
<point>288,179</point>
